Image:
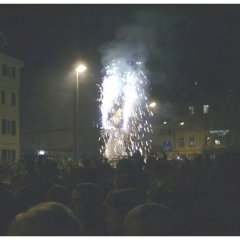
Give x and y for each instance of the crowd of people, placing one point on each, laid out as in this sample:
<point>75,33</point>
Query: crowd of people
<point>157,197</point>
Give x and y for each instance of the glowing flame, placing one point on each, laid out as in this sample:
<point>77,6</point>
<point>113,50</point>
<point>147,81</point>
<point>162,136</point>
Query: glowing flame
<point>125,110</point>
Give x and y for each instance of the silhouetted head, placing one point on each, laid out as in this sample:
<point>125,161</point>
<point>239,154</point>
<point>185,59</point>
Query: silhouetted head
<point>85,198</point>
<point>125,181</point>
<point>46,219</point>
<point>149,220</point>
<point>58,193</point>
<point>117,205</point>
<point>87,204</point>
<point>126,166</point>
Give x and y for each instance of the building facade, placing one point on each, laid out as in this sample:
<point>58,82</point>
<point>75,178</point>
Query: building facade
<point>9,104</point>
<point>207,124</point>
<point>49,124</point>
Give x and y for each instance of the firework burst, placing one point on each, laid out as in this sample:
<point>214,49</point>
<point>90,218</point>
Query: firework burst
<point>125,111</point>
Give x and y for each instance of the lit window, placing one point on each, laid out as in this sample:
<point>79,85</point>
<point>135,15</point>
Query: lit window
<point>217,141</point>
<point>191,109</point>
<point>192,141</point>
<point>205,109</point>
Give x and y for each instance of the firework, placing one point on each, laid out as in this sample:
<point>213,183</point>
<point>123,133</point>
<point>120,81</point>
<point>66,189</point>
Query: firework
<point>125,111</point>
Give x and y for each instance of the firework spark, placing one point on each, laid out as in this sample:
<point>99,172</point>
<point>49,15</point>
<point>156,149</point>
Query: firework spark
<point>125,110</point>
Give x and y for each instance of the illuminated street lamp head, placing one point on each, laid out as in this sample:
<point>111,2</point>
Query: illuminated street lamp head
<point>81,68</point>
<point>152,105</point>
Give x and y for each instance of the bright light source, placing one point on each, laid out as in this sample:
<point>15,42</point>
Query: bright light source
<point>153,104</point>
<point>219,132</point>
<point>165,122</point>
<point>181,123</point>
<point>81,68</point>
<point>41,152</point>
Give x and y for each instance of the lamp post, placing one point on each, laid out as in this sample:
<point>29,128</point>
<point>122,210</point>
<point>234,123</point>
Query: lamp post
<point>80,69</point>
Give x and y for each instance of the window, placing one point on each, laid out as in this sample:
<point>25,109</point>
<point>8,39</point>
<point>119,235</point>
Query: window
<point>4,69</point>
<point>167,146</point>
<point>8,127</point>
<point>8,98</point>
<point>8,155</point>
<point>207,141</point>
<point>3,97</point>
<point>13,72</point>
<point>191,109</point>
<point>192,141</point>
<point>217,140</point>
<point>205,109</point>
<point>13,99</point>
<point>161,132</point>
<point>181,142</point>
<point>8,71</point>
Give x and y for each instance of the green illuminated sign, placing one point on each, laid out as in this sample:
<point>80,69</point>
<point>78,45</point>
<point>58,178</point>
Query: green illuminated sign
<point>219,132</point>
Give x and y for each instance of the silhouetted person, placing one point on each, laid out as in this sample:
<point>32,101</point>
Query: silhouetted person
<point>87,174</point>
<point>220,199</point>
<point>117,204</point>
<point>138,160</point>
<point>127,166</point>
<point>150,220</point>
<point>46,219</point>
<point>58,194</point>
<point>125,181</point>
<point>6,208</point>
<point>87,205</point>
<point>36,192</point>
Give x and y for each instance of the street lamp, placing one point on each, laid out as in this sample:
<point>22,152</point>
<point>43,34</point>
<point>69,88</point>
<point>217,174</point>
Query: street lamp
<point>80,69</point>
<point>152,105</point>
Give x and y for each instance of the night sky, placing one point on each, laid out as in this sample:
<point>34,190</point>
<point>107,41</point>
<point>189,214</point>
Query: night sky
<point>179,44</point>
